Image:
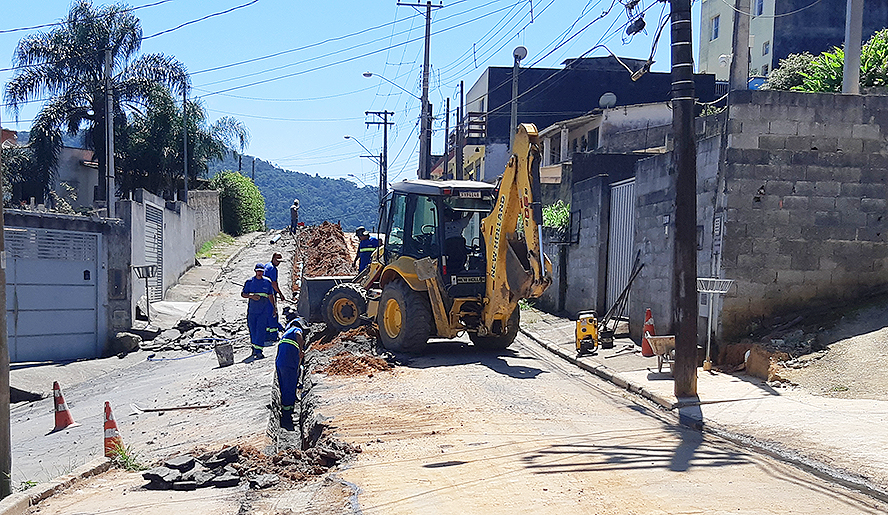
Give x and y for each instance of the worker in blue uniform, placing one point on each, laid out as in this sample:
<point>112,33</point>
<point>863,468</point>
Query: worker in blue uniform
<point>260,308</point>
<point>366,247</point>
<point>288,365</point>
<point>271,273</point>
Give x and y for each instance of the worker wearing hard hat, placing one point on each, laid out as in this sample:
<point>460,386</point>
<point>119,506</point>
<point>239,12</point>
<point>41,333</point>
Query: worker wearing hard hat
<point>260,308</point>
<point>288,365</point>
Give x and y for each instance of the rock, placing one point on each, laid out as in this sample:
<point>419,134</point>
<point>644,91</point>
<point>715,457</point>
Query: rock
<point>184,485</point>
<point>162,475</point>
<point>185,325</point>
<point>225,481</point>
<point>182,463</point>
<point>201,333</point>
<point>170,335</point>
<point>264,481</point>
<point>124,342</point>
<point>223,457</point>
<point>200,475</point>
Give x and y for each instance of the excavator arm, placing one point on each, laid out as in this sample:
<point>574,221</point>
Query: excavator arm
<point>516,266</point>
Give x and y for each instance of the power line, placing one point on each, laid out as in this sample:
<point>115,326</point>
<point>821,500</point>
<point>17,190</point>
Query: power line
<point>200,19</point>
<point>35,27</point>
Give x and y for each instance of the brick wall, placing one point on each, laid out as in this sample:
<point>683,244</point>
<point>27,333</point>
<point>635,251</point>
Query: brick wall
<point>207,222</point>
<point>805,201</point>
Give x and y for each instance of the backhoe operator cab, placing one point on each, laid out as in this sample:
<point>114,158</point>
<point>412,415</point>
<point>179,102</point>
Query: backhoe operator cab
<point>432,275</point>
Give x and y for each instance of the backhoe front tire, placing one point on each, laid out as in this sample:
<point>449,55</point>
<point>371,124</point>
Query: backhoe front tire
<point>404,318</point>
<point>343,306</point>
<point>500,342</point>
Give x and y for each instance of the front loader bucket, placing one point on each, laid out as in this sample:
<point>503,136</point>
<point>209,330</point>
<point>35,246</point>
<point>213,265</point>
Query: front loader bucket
<point>311,294</point>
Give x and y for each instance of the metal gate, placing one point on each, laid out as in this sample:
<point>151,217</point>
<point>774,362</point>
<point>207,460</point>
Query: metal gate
<point>154,250</point>
<point>52,303</point>
<point>620,238</point>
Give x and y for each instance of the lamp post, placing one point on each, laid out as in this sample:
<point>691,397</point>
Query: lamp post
<point>425,130</point>
<point>519,53</point>
<point>355,177</point>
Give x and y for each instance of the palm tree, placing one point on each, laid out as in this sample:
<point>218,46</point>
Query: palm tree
<point>67,63</point>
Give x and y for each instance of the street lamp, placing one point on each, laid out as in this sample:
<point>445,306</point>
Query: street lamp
<point>358,179</point>
<point>425,130</point>
<point>519,53</point>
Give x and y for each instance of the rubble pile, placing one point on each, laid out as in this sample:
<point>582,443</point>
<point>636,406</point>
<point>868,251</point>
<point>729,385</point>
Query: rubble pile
<point>353,352</point>
<point>348,364</point>
<point>191,336</point>
<point>234,465</point>
<point>325,251</point>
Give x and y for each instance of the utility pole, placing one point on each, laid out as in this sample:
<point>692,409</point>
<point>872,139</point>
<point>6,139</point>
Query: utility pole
<point>5,437</point>
<point>446,135</point>
<point>425,130</point>
<point>460,134</point>
<point>519,53</point>
<point>185,138</point>
<point>383,161</point>
<point>109,136</point>
<point>254,170</point>
<point>684,160</point>
<point>739,78</point>
<point>853,42</point>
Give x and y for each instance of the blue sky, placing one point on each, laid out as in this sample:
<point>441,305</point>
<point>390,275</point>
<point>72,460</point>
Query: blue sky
<point>300,103</point>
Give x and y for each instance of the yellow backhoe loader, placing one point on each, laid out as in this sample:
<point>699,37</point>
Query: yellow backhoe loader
<point>456,256</point>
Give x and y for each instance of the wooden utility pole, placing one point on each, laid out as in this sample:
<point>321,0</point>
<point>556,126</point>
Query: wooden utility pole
<point>853,43</point>
<point>446,135</point>
<point>425,126</point>
<point>383,159</point>
<point>739,78</point>
<point>109,136</point>
<point>5,435</point>
<point>684,160</point>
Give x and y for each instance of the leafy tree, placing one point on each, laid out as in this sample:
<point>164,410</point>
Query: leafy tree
<point>557,215</point>
<point>151,145</point>
<point>790,73</point>
<point>824,73</point>
<point>243,207</point>
<point>66,64</point>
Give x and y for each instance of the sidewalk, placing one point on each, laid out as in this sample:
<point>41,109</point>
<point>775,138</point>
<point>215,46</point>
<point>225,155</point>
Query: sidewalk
<point>845,439</point>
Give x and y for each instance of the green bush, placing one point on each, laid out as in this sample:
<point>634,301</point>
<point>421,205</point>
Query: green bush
<point>243,206</point>
<point>790,73</point>
<point>557,215</point>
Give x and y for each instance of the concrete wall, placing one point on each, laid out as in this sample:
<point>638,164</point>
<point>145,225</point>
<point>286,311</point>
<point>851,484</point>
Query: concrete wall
<point>552,299</point>
<point>82,179</point>
<point>178,237</point>
<point>805,182</point>
<point>207,215</point>
<point>115,292</point>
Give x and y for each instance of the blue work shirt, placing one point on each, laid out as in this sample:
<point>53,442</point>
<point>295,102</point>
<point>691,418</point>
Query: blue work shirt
<point>260,286</point>
<point>271,272</point>
<point>365,251</point>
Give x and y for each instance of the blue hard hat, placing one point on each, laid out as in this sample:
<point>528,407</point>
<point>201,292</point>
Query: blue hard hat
<point>259,266</point>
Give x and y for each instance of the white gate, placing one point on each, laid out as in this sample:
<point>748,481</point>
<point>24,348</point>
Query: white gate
<point>620,238</point>
<point>154,250</point>
<point>52,294</point>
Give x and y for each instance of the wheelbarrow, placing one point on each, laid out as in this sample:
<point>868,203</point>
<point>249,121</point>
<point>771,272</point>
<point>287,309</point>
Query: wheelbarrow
<point>664,349</point>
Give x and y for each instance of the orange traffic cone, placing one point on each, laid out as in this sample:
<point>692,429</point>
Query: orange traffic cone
<point>63,418</point>
<point>646,349</point>
<point>113,440</point>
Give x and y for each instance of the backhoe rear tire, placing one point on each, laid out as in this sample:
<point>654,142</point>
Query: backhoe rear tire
<point>502,341</point>
<point>404,318</point>
<point>343,306</point>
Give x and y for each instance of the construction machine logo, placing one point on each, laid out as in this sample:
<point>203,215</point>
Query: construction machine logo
<point>467,280</point>
<point>498,228</point>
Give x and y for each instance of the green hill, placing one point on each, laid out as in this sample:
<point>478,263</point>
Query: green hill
<point>320,198</point>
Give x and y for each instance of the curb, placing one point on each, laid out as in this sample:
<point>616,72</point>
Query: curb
<point>605,373</point>
<point>19,503</point>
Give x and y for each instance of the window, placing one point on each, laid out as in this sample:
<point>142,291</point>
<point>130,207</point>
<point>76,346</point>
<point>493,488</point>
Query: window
<point>759,8</point>
<point>573,146</point>
<point>394,241</point>
<point>765,69</point>
<point>593,138</point>
<point>482,105</point>
<point>766,48</point>
<point>713,33</point>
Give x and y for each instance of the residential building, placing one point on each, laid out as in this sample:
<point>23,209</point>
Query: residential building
<point>549,95</point>
<point>778,28</point>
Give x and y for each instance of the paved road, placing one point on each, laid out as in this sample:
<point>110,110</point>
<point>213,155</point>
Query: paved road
<point>458,431</point>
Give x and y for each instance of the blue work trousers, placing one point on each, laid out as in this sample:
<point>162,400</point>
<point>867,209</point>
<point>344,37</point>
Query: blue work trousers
<point>287,366</point>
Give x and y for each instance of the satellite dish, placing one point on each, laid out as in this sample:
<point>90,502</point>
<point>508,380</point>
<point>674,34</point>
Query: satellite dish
<point>607,100</point>
<point>519,53</point>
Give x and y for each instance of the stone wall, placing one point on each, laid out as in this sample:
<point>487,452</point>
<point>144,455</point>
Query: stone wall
<point>207,215</point>
<point>805,182</point>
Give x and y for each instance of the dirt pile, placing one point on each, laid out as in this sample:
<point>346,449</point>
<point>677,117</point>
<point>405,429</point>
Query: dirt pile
<point>353,352</point>
<point>325,251</point>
